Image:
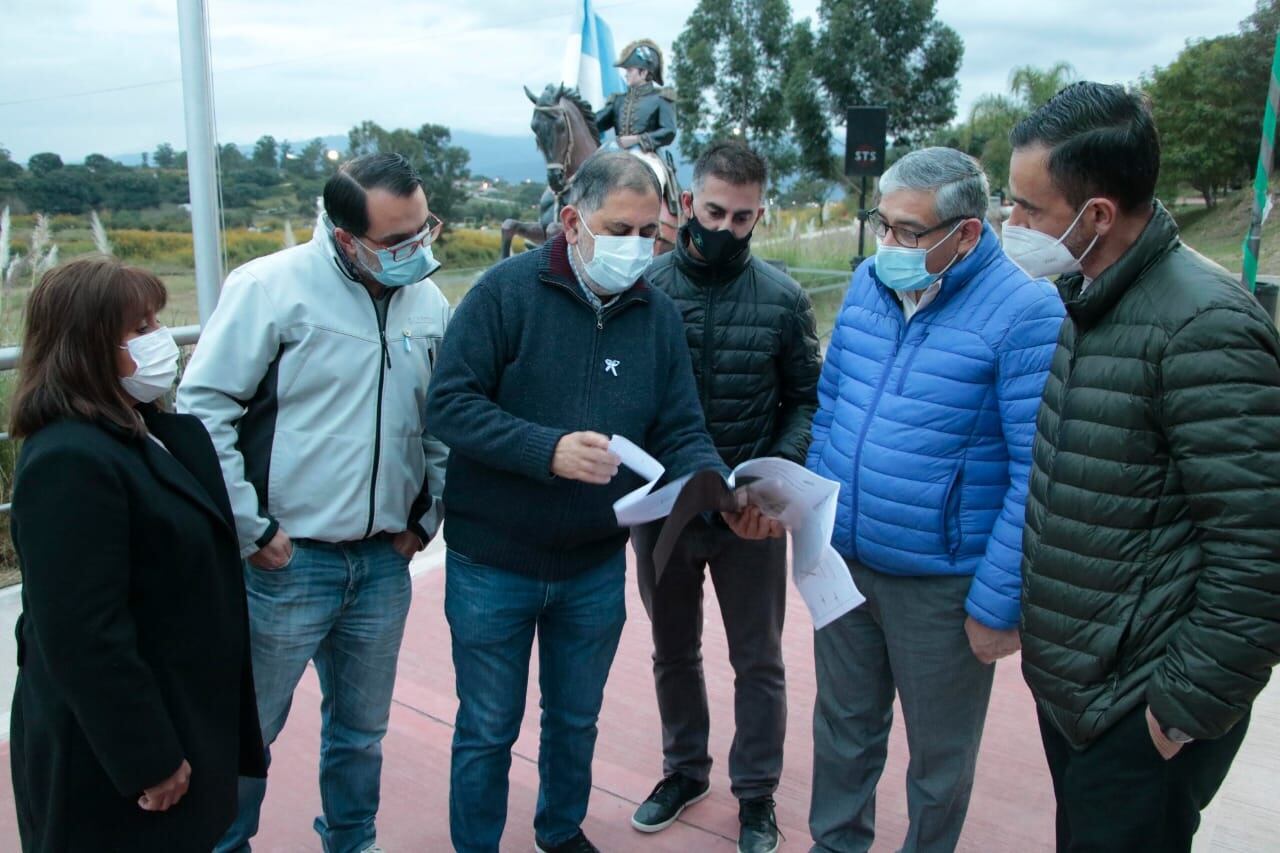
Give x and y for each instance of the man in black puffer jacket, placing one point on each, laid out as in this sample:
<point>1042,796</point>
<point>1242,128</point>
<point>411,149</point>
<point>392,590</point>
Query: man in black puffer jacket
<point>1151,567</point>
<point>756,360</point>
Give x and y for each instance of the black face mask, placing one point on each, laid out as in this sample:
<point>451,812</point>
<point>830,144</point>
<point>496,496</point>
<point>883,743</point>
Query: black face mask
<point>716,247</point>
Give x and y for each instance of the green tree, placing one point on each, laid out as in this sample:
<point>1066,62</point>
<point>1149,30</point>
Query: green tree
<point>8,167</point>
<point>890,53</point>
<point>43,163</point>
<point>444,169</point>
<point>1206,112</point>
<point>266,152</point>
<point>1253,61</point>
<point>100,164</point>
<point>230,158</point>
<point>66,190</point>
<point>443,166</point>
<point>164,158</point>
<point>804,99</point>
<point>306,163</point>
<point>129,189</point>
<point>172,186</point>
<point>729,67</point>
<point>991,118</point>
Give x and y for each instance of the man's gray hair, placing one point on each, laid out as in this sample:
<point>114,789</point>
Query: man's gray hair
<point>607,172</point>
<point>958,183</point>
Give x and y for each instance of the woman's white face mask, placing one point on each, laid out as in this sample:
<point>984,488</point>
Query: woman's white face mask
<point>156,355</point>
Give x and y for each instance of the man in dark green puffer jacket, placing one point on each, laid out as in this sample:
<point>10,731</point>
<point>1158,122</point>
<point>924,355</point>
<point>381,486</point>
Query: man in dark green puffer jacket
<point>1151,567</point>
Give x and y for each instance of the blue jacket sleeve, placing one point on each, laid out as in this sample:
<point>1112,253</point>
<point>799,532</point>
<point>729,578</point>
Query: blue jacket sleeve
<point>1022,367</point>
<point>828,389</point>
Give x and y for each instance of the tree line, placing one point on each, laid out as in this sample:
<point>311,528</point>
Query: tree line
<point>288,176</point>
<point>745,68</point>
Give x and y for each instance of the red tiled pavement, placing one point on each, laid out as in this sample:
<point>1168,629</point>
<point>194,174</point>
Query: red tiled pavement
<point>1012,808</point>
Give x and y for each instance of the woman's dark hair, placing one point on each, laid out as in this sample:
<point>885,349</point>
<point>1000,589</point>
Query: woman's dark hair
<point>75,319</point>
<point>346,196</point>
<point>1102,142</point>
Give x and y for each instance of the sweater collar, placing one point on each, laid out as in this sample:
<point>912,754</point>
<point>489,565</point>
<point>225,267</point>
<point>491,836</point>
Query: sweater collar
<point>1087,307</point>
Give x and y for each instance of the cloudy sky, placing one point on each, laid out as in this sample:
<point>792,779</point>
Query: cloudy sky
<point>79,76</point>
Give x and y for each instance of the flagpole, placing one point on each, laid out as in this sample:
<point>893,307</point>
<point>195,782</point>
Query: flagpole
<point>202,152</point>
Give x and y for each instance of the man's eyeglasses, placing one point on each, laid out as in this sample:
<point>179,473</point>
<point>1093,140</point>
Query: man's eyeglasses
<point>405,249</point>
<point>903,237</point>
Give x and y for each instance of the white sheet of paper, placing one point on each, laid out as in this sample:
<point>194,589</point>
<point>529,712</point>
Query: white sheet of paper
<point>804,502</point>
<point>635,458</point>
<point>828,591</point>
<point>806,505</point>
<point>643,505</point>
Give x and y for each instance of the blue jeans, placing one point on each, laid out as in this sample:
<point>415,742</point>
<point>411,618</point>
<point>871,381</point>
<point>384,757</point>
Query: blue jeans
<point>493,615</point>
<point>343,606</point>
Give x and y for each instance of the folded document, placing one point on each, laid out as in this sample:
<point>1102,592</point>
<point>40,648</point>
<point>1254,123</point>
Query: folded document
<point>802,501</point>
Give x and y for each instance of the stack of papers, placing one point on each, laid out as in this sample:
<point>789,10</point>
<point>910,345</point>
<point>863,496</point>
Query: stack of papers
<point>802,501</point>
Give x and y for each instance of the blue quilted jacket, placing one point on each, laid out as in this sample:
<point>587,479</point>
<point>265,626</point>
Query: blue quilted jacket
<point>927,425</point>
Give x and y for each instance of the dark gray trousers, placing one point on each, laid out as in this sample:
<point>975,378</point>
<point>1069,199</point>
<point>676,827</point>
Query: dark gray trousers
<point>750,580</point>
<point>909,637</point>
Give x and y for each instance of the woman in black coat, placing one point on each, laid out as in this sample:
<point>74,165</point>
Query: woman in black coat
<point>134,711</point>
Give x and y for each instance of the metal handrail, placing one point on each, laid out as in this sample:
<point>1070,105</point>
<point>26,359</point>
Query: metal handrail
<point>184,335</point>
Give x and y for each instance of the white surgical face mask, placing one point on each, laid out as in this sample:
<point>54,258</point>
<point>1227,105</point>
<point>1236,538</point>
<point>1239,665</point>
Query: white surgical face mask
<point>616,262</point>
<point>1039,254</point>
<point>156,355</point>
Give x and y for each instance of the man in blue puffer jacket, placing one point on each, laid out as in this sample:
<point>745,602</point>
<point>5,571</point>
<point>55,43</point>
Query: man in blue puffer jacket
<point>927,407</point>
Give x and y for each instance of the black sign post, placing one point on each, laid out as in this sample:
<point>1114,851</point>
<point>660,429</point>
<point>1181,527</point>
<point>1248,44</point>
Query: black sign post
<point>864,157</point>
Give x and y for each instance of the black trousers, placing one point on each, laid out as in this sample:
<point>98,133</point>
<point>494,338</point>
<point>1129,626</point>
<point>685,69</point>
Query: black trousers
<point>750,580</point>
<point>1118,795</point>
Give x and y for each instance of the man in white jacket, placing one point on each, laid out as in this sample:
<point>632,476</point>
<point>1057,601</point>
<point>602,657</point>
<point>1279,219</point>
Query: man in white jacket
<point>312,378</point>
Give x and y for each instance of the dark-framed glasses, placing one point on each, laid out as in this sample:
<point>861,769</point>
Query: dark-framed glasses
<point>904,237</point>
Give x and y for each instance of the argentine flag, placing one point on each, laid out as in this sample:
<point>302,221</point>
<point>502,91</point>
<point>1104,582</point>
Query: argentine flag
<point>589,57</point>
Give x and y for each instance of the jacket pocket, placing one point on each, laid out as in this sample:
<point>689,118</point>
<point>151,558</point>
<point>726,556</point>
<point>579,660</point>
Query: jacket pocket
<point>911,359</point>
<point>951,513</point>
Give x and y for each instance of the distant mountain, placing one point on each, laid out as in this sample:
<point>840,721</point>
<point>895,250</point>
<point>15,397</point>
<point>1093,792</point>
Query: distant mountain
<point>511,158</point>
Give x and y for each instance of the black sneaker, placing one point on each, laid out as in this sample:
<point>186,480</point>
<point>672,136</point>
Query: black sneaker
<point>672,795</point>
<point>759,826</point>
<point>577,844</point>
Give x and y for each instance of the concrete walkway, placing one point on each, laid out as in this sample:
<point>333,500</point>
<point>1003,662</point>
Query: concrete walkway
<point>1012,803</point>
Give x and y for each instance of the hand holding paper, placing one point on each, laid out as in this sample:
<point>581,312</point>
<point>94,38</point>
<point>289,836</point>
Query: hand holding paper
<point>585,456</point>
<point>752,523</point>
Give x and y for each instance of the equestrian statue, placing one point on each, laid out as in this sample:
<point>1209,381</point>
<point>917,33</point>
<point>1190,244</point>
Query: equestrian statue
<point>567,131</point>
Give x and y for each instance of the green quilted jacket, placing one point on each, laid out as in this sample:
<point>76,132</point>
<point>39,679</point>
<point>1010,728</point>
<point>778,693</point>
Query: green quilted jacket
<point>1151,568</point>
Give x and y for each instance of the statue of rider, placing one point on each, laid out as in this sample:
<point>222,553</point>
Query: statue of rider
<point>643,118</point>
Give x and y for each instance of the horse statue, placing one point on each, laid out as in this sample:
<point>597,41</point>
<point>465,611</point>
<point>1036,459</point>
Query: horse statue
<point>564,127</point>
